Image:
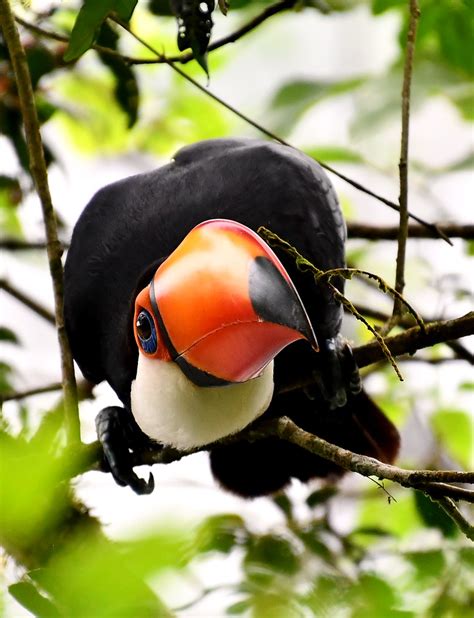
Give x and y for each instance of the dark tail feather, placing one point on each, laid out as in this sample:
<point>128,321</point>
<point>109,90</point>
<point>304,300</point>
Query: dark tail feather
<point>266,466</point>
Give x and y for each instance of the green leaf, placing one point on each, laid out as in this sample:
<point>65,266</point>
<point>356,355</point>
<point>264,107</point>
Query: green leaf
<point>27,595</point>
<point>166,549</point>
<point>380,6</point>
<point>294,98</point>
<point>8,336</point>
<point>125,8</point>
<point>238,608</point>
<point>126,86</point>
<point>89,20</point>
<point>41,61</point>
<point>428,564</point>
<point>374,596</point>
<point>5,378</point>
<point>284,504</point>
<point>334,154</point>
<point>433,515</point>
<point>320,496</point>
<point>273,553</point>
<point>398,518</point>
<point>315,545</point>
<point>194,27</point>
<point>454,429</point>
<point>220,533</point>
<point>88,576</point>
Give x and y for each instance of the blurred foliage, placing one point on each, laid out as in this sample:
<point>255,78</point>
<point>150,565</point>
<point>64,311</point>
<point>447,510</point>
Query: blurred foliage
<point>72,569</point>
<point>402,557</point>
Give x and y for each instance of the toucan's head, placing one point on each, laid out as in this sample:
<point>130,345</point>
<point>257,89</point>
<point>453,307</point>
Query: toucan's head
<point>221,306</point>
<point>216,313</point>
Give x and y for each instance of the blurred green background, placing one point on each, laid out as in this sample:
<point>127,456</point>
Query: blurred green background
<point>325,75</point>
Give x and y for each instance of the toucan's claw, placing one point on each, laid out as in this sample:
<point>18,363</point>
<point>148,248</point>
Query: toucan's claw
<point>339,376</point>
<point>117,439</point>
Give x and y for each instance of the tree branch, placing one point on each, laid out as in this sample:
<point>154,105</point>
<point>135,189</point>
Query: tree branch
<point>84,391</point>
<point>403,165</point>
<point>413,339</point>
<point>376,232</point>
<point>268,12</point>
<point>40,176</point>
<point>435,483</point>
<point>459,350</point>
<point>452,510</point>
<point>354,231</point>
<point>28,301</point>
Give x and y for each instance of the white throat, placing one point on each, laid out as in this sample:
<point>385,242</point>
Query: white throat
<point>169,408</point>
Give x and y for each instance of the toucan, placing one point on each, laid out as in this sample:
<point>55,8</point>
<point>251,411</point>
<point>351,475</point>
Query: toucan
<point>195,322</point>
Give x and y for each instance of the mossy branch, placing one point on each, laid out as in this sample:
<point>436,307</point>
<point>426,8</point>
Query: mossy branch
<point>319,275</point>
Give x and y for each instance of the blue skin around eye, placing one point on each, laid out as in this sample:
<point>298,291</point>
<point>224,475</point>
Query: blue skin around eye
<point>149,345</point>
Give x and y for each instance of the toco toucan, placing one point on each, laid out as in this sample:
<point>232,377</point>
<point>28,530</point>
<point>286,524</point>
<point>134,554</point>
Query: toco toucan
<point>175,301</point>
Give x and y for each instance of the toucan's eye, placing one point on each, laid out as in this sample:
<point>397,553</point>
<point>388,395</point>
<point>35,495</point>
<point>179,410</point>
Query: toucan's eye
<point>146,332</point>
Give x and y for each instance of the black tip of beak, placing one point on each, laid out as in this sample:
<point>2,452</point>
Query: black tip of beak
<point>275,300</point>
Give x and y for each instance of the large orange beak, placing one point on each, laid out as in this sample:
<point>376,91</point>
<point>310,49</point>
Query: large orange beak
<point>221,306</point>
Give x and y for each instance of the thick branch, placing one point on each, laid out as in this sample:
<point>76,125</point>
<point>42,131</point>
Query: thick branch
<point>406,321</point>
<point>431,482</point>
<point>403,165</point>
<point>40,176</point>
<point>413,339</point>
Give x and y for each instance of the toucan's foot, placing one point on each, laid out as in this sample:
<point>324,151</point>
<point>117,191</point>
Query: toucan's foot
<point>339,375</point>
<point>118,442</point>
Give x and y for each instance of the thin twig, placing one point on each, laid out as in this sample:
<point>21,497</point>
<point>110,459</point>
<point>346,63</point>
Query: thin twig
<point>84,390</point>
<point>40,390</point>
<point>61,38</point>
<point>403,165</point>
<point>450,508</point>
<point>377,232</point>
<point>28,301</point>
<point>268,12</point>
<point>162,59</point>
<point>40,176</point>
<point>275,137</point>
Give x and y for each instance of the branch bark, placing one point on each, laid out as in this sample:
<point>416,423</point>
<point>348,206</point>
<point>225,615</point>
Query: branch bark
<point>40,176</point>
<point>28,301</point>
<point>435,483</point>
<point>403,165</point>
<point>390,232</point>
<point>413,339</point>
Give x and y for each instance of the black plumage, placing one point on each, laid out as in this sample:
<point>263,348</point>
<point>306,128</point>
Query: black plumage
<point>129,227</point>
